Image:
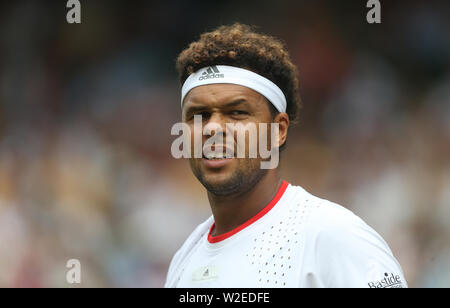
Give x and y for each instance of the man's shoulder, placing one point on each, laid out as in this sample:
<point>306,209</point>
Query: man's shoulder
<point>329,219</point>
<point>334,229</point>
<point>180,256</point>
<point>343,250</point>
<point>196,235</point>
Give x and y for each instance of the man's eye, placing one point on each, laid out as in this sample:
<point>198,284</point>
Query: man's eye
<point>239,112</point>
<point>202,114</point>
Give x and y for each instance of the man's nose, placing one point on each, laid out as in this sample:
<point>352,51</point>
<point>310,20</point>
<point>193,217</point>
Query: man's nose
<point>215,124</point>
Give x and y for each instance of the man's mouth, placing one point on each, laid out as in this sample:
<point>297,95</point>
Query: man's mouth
<point>218,153</point>
<point>217,158</point>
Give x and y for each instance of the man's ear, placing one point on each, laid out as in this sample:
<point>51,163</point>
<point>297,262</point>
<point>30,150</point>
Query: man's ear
<point>282,119</point>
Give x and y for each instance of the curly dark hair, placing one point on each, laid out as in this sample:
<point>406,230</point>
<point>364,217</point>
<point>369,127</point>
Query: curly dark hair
<point>239,45</point>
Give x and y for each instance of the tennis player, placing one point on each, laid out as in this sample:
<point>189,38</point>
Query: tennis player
<point>264,231</point>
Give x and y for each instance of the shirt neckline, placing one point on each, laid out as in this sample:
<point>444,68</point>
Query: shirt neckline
<point>264,211</point>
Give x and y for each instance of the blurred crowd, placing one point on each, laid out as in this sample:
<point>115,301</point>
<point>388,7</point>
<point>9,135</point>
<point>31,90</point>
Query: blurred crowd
<point>86,111</point>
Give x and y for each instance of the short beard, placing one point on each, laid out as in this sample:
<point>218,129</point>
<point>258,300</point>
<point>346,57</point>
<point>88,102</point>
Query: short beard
<point>238,183</point>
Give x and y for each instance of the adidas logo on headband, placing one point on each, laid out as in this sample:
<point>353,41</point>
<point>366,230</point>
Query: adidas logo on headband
<point>239,76</point>
<point>211,72</point>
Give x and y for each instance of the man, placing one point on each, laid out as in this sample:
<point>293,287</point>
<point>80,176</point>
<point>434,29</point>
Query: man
<point>264,232</point>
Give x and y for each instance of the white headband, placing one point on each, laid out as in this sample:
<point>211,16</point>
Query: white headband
<point>235,75</point>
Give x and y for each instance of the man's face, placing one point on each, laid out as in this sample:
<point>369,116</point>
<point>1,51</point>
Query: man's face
<point>219,104</point>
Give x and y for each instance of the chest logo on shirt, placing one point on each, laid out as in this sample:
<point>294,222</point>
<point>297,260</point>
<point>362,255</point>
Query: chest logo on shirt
<point>205,273</point>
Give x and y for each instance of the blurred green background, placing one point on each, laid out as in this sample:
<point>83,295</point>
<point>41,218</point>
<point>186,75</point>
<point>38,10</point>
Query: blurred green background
<point>86,111</point>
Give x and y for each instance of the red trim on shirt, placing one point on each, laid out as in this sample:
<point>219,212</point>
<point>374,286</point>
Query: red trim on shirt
<point>264,211</point>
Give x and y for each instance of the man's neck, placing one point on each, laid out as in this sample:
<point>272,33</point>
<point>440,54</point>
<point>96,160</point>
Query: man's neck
<point>231,211</point>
